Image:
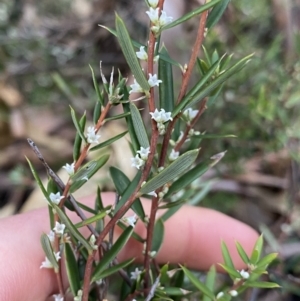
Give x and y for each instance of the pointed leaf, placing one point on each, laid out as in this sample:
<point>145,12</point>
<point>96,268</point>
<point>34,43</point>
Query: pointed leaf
<point>78,139</point>
<point>198,284</point>
<point>226,256</point>
<point>72,229</point>
<point>112,253</point>
<point>72,269</point>
<point>129,54</point>
<point>210,281</point>
<point>96,86</point>
<point>265,261</point>
<point>213,136</point>
<point>114,269</point>
<point>192,14</point>
<point>216,13</point>
<point>172,171</point>
<point>139,126</point>
<point>262,284</point>
<point>256,253</point>
<point>242,252</point>
<point>233,273</point>
<point>77,125</point>
<point>119,116</point>
<point>129,122</point>
<point>86,172</point>
<point>129,190</point>
<point>94,218</point>
<point>47,247</point>
<point>109,141</point>
<point>158,235</point>
<point>166,89</point>
<point>97,112</point>
<point>121,183</point>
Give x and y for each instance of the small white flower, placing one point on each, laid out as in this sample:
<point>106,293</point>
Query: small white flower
<point>220,295</point>
<point>173,155</point>
<point>135,274</point>
<point>58,297</point>
<point>153,3</point>
<point>55,197</point>
<point>152,193</point>
<point>164,19</point>
<point>244,274</point>
<point>142,54</point>
<point>137,162</point>
<point>91,135</point>
<point>51,236</point>
<point>162,116</point>
<point>69,168</point>
<point>144,152</point>
<point>153,15</point>
<point>130,220</point>
<point>233,293</point>
<point>190,114</point>
<point>92,242</point>
<point>46,264</point>
<point>153,80</point>
<point>79,296</point>
<point>135,88</point>
<point>59,228</point>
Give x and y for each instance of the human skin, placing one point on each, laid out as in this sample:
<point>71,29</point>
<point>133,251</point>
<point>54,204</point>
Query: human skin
<point>192,237</point>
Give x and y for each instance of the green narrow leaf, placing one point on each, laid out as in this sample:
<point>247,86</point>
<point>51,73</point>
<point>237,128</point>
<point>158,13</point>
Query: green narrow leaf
<point>86,172</point>
<point>189,102</point>
<point>233,273</point>
<point>213,136</point>
<point>226,256</point>
<point>99,207</point>
<point>96,86</point>
<point>210,281</point>
<point>171,211</point>
<point>265,261</point>
<point>216,13</point>
<point>139,126</point>
<point>256,253</point>
<point>78,139</point>
<point>97,112</point>
<point>119,116</point>
<point>198,284</point>
<point>129,53</point>
<point>172,204</point>
<point>39,181</point>
<point>129,122</point>
<point>77,125</point>
<point>158,235</point>
<point>166,89</point>
<point>172,171</point>
<point>175,291</point>
<point>109,141</point>
<point>114,269</point>
<point>72,269</point>
<point>192,14</point>
<point>262,284</point>
<point>47,247</point>
<point>112,253</point>
<point>134,234</point>
<point>92,219</point>
<point>72,229</point>
<point>129,190</point>
<point>121,183</point>
<point>242,252</point>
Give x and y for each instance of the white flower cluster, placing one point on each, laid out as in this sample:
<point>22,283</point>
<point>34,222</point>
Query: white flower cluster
<point>91,135</point>
<point>69,168</point>
<point>173,155</point>
<point>55,198</point>
<point>139,160</point>
<point>152,81</point>
<point>58,297</point>
<point>135,274</point>
<point>130,220</point>
<point>161,117</point>
<point>143,55</point>
<point>47,264</point>
<point>189,114</point>
<point>157,20</point>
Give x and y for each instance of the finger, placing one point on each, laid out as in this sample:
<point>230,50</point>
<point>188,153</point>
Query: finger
<point>192,237</point>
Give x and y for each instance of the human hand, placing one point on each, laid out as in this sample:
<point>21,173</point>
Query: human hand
<point>192,237</point>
